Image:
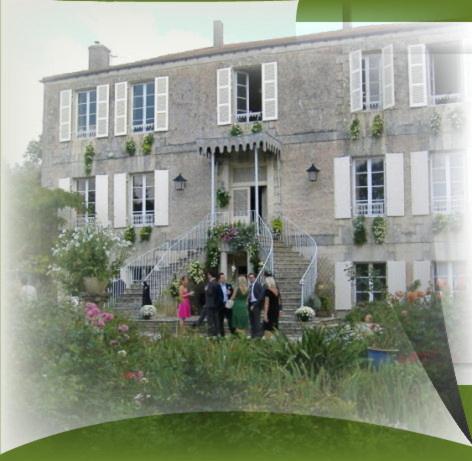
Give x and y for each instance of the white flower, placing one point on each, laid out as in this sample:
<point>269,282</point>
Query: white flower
<point>144,380</point>
<point>122,353</point>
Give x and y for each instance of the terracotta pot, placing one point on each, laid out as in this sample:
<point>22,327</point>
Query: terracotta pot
<point>95,286</point>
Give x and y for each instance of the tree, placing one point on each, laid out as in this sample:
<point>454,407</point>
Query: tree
<point>33,215</point>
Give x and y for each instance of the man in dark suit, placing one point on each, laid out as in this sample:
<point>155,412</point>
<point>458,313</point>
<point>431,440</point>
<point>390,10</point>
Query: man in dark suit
<point>224,312</point>
<point>213,300</point>
<point>255,299</point>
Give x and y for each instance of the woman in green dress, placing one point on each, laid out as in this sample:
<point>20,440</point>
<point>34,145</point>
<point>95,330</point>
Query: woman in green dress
<point>240,316</point>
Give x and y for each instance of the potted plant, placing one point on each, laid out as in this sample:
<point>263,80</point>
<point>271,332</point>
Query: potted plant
<point>379,229</point>
<point>359,232</point>
<point>256,127</point>
<point>145,233</point>
<point>383,347</point>
<point>222,198</point>
<point>148,141</point>
<point>355,129</point>
<point>304,313</point>
<point>86,258</point>
<point>236,130</point>
<point>89,154</point>
<point>130,147</point>
<point>377,126</point>
<point>130,234</point>
<point>147,312</point>
<point>277,227</point>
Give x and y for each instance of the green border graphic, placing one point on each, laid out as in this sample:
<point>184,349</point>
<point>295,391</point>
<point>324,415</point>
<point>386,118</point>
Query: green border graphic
<point>241,436</point>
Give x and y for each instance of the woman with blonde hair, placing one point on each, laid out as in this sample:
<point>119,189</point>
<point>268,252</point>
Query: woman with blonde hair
<point>240,316</point>
<point>272,307</point>
<point>184,308</point>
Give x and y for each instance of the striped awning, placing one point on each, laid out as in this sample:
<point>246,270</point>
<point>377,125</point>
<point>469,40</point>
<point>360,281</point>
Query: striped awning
<point>230,144</point>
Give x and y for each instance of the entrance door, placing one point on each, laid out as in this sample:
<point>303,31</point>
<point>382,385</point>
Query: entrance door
<point>241,204</point>
<point>262,200</point>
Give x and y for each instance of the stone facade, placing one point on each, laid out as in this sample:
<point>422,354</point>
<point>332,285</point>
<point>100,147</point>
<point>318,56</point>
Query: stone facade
<point>312,125</point>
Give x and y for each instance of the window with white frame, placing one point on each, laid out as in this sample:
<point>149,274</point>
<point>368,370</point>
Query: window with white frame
<point>143,107</point>
<point>370,282</point>
<point>445,70</point>
<point>248,94</point>
<point>86,113</point>
<point>86,188</point>
<point>447,182</point>
<point>143,199</point>
<point>371,80</point>
<point>369,187</point>
<point>450,275</point>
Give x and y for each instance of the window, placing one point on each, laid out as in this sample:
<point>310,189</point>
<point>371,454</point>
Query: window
<point>445,72</point>
<point>143,199</point>
<point>143,107</point>
<point>447,182</point>
<point>369,187</point>
<point>248,94</point>
<point>371,83</point>
<point>86,113</point>
<point>86,188</point>
<point>450,275</point>
<point>371,281</point>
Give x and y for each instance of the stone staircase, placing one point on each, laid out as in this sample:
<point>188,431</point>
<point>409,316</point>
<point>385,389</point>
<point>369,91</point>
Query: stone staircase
<point>289,267</point>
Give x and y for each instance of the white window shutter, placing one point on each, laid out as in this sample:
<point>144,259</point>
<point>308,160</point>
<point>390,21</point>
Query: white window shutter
<point>101,199</point>
<point>342,286</point>
<point>417,75</point>
<point>388,85</point>
<point>355,79</point>
<point>103,92</point>
<point>269,91</point>
<point>223,96</point>
<point>342,187</point>
<point>395,193</point>
<point>396,276</point>
<point>121,108</point>
<point>120,208</point>
<point>65,184</point>
<point>161,197</point>
<point>419,174</point>
<point>422,272</point>
<point>161,104</point>
<point>65,115</point>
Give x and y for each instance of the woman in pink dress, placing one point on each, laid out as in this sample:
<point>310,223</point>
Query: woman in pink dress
<point>184,309</point>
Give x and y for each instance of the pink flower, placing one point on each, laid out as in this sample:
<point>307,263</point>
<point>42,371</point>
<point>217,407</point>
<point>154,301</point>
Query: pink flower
<point>138,375</point>
<point>92,310</point>
<point>114,342</point>
<point>100,323</point>
<point>107,316</point>
<point>123,328</point>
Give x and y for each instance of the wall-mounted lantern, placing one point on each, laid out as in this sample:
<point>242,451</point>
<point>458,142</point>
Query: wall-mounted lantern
<point>312,173</point>
<point>180,182</point>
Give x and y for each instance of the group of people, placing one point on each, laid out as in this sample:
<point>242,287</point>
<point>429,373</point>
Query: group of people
<point>248,305</point>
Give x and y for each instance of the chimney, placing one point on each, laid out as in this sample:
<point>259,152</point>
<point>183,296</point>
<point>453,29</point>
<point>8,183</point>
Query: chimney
<point>218,41</point>
<point>99,56</point>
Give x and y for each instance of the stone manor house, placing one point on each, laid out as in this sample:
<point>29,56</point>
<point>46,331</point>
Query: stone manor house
<point>300,103</point>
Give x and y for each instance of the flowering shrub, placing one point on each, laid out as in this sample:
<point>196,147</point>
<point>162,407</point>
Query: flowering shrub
<point>89,251</point>
<point>148,311</point>
<point>305,313</point>
<point>96,317</point>
<point>196,272</point>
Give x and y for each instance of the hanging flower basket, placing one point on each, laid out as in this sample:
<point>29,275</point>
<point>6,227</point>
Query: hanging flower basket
<point>304,313</point>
